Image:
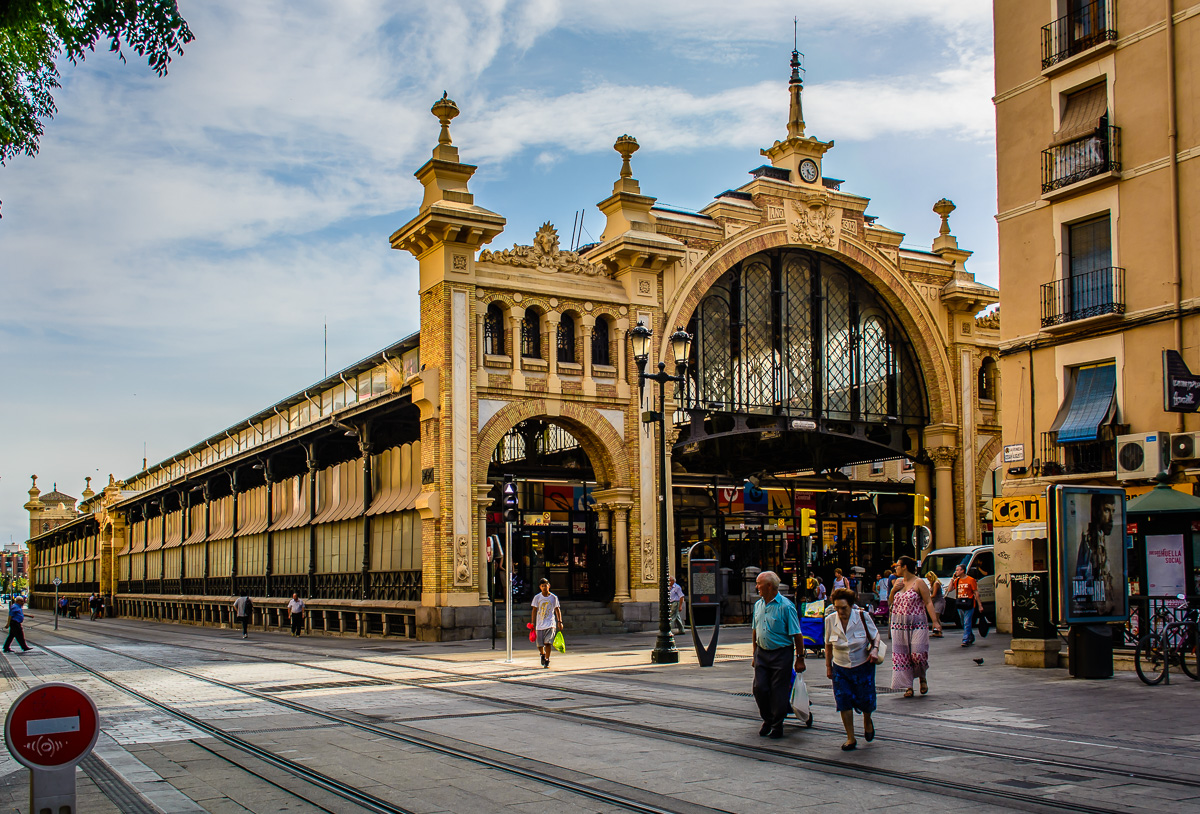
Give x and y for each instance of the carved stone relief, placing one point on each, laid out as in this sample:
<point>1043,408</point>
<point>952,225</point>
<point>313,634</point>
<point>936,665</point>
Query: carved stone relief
<point>544,255</point>
<point>813,223</point>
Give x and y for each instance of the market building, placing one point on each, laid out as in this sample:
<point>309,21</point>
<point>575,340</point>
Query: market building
<point>1096,105</point>
<point>818,343</point>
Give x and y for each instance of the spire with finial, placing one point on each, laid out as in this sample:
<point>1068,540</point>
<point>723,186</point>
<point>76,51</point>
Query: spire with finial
<point>445,110</point>
<point>796,87</point>
<point>88,494</point>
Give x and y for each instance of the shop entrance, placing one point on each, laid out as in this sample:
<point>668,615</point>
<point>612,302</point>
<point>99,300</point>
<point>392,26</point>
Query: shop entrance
<point>558,536</point>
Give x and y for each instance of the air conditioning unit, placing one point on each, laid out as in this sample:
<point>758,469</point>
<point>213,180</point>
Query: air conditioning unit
<point>1143,455</point>
<point>1185,446</point>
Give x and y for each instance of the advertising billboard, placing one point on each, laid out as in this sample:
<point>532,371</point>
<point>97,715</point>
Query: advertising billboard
<point>1089,523</point>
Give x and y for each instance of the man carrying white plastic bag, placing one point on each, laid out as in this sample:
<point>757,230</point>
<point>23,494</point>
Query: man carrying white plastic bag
<point>800,703</point>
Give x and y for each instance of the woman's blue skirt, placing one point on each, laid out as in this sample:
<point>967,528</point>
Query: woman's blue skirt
<point>854,687</point>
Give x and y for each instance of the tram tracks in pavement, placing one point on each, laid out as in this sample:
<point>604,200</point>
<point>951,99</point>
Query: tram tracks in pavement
<point>901,779</point>
<point>942,746</point>
<point>344,790</point>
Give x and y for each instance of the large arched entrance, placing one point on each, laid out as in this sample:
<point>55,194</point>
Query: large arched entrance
<point>799,370</point>
<point>559,536</point>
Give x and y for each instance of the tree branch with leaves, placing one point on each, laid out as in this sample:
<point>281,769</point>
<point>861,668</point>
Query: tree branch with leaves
<point>35,33</point>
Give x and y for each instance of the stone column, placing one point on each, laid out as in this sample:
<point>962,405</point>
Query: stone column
<point>943,507</point>
<point>482,501</point>
<point>620,501</point>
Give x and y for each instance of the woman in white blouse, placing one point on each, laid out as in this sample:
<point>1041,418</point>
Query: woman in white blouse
<point>851,652</point>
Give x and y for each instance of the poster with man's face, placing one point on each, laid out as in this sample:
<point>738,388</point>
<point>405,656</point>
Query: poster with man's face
<point>1091,546</point>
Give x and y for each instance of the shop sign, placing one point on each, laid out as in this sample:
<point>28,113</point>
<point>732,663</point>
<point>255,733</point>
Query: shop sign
<point>1018,509</point>
<point>1181,387</point>
<point>1014,453</point>
<point>1165,574</point>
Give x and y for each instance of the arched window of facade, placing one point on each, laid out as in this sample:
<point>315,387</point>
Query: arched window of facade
<point>493,331</point>
<point>987,379</point>
<point>531,334</point>
<point>600,352</point>
<point>565,340</point>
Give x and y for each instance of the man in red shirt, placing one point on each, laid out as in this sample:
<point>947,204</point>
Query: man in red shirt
<point>965,590</point>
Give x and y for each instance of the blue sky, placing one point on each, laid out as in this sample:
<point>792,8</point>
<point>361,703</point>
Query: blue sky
<point>170,257</point>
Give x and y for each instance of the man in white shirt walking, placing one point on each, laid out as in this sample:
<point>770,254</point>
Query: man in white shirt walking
<point>296,610</point>
<point>547,619</point>
<point>675,596</point>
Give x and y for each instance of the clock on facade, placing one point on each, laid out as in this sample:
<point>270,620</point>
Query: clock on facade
<point>808,170</point>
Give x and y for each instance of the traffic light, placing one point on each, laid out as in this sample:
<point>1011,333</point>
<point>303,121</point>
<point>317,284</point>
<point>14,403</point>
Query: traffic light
<point>511,510</point>
<point>808,522</point>
<point>920,510</point>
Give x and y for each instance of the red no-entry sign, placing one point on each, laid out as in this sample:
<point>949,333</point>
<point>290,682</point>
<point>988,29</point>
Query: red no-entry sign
<point>52,726</point>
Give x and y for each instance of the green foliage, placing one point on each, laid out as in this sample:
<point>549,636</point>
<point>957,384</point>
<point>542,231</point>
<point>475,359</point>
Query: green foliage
<point>33,33</point>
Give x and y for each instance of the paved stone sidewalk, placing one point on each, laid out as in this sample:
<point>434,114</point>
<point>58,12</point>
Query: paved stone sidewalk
<point>597,713</point>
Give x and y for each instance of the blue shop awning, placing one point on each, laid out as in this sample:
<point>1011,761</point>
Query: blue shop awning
<point>1089,405</point>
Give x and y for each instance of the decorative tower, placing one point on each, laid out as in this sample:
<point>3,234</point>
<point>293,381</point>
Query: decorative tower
<point>35,507</point>
<point>445,236</point>
<point>799,155</point>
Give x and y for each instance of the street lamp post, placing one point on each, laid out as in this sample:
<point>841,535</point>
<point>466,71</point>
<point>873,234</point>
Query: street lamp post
<point>664,646</point>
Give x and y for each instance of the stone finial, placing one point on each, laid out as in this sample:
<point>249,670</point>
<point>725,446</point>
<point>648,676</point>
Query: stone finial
<point>445,110</point>
<point>944,207</point>
<point>626,145</point>
<point>87,489</point>
<point>35,486</point>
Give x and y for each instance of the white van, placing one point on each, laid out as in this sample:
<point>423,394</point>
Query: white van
<point>980,562</point>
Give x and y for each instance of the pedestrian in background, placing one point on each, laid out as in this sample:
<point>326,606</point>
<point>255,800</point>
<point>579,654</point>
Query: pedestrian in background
<point>965,590</point>
<point>911,609</point>
<point>839,581</point>
<point>777,648</point>
<point>62,606</point>
<point>16,625</point>
<point>296,613</point>
<point>243,608</point>
<point>939,598</point>
<point>851,647</point>
<point>94,603</point>
<point>547,619</point>
<point>675,597</point>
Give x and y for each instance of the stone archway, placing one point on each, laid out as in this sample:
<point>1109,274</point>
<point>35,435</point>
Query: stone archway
<point>595,433</point>
<point>914,317</point>
<point>607,452</point>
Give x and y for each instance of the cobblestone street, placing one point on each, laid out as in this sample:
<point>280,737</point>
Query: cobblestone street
<point>452,727</point>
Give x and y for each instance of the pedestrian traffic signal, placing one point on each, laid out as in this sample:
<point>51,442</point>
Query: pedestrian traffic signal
<point>808,522</point>
<point>920,510</point>
<point>511,510</point>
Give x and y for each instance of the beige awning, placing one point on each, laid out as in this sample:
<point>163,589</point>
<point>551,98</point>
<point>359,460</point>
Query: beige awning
<point>1082,114</point>
<point>1029,531</point>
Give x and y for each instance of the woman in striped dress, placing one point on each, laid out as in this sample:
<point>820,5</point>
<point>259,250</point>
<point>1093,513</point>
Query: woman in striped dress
<point>912,609</point>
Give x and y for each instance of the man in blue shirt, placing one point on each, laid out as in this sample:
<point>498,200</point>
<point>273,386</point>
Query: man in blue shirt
<point>16,618</point>
<point>776,641</point>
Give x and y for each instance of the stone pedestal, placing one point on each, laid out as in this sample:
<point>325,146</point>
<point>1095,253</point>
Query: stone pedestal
<point>1041,653</point>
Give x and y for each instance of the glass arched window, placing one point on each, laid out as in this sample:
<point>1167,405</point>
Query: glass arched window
<point>874,361</point>
<point>600,353</point>
<point>493,331</point>
<point>531,334</point>
<point>565,340</point>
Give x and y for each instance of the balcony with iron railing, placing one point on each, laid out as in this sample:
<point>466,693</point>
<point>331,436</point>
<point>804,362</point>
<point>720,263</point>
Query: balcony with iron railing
<point>1082,296</point>
<point>1080,458</point>
<point>1077,31</point>
<point>1087,157</point>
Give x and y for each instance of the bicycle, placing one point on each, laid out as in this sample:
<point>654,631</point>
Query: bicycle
<point>1172,645</point>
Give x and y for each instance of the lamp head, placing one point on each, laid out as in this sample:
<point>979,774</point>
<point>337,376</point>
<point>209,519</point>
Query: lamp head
<point>641,342</point>
<point>681,343</point>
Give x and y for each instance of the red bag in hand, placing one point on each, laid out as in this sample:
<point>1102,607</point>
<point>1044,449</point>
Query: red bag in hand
<point>532,633</point>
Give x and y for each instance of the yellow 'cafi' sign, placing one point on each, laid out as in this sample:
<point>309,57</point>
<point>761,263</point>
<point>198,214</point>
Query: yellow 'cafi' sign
<point>1012,511</point>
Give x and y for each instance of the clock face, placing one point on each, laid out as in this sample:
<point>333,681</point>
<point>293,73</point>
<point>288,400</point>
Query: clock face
<point>808,170</point>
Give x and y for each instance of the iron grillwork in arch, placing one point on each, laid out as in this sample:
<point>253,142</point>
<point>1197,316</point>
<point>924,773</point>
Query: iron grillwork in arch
<point>493,331</point>
<point>797,333</point>
<point>600,353</point>
<point>565,339</point>
<point>531,335</point>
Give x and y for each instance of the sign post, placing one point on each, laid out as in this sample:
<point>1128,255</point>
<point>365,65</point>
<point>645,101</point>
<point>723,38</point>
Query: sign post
<point>56,582</point>
<point>49,729</point>
<point>704,591</point>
